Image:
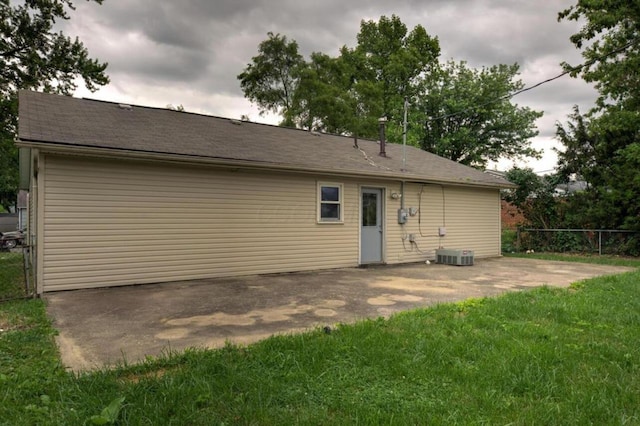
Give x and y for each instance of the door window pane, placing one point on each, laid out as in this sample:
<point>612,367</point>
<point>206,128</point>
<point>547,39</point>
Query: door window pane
<point>369,209</point>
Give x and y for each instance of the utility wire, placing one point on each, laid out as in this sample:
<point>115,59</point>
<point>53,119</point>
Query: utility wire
<point>526,89</point>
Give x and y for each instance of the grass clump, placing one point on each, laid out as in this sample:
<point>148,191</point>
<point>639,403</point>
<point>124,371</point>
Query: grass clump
<point>546,356</point>
<point>30,370</point>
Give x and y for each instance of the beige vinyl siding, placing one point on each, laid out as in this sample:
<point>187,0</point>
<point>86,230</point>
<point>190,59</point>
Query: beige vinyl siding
<point>119,222</point>
<point>473,221</point>
<point>471,217</point>
<point>37,215</point>
<point>112,223</point>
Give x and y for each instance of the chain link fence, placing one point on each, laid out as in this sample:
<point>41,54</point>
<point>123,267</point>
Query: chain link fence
<point>600,241</point>
<point>16,276</point>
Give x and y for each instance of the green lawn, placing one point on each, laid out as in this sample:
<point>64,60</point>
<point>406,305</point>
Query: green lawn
<point>594,258</point>
<point>12,283</point>
<point>546,356</point>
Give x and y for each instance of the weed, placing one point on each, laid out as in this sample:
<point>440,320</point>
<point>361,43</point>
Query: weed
<point>109,414</point>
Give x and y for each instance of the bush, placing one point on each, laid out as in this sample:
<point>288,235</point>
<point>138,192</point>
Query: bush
<point>509,237</point>
<point>584,241</point>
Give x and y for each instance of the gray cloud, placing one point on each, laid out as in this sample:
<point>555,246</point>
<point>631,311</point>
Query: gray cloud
<point>160,49</point>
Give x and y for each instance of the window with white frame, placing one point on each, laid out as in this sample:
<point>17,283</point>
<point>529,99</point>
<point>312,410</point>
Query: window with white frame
<point>330,202</point>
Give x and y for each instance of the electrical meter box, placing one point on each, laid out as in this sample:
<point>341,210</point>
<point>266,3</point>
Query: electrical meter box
<point>402,216</point>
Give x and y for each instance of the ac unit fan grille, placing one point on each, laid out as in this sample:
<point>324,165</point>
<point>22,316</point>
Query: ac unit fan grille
<point>454,257</point>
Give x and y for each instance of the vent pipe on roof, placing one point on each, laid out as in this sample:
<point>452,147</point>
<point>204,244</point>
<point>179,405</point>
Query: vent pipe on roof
<point>381,123</point>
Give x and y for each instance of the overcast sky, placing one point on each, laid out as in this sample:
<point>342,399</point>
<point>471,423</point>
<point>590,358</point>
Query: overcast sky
<point>189,52</point>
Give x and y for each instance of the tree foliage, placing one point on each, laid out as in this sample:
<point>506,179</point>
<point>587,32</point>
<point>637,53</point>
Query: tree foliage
<point>324,101</point>
<point>469,117</point>
<point>390,63</point>
<point>603,146</point>
<point>600,147</point>
<point>34,56</point>
<point>610,39</point>
<point>603,151</point>
<point>534,197</point>
<point>271,79</point>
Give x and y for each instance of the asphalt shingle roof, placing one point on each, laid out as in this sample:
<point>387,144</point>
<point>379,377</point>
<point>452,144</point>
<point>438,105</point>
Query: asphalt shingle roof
<point>54,120</point>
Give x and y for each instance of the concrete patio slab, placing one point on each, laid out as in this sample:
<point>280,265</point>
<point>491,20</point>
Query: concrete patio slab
<point>100,327</point>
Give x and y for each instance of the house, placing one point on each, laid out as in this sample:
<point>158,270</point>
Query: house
<point>570,187</point>
<point>511,215</point>
<point>8,222</point>
<point>23,202</point>
<point>123,194</point>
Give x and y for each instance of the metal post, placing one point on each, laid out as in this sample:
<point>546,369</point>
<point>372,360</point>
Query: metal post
<point>404,135</point>
<point>599,243</point>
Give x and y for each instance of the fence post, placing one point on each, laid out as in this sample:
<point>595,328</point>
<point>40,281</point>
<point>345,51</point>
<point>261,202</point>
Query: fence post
<point>25,267</point>
<point>599,243</point>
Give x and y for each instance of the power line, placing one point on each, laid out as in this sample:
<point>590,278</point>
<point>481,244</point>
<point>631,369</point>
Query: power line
<point>539,172</point>
<point>526,89</point>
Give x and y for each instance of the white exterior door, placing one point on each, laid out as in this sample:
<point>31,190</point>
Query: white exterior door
<point>371,229</point>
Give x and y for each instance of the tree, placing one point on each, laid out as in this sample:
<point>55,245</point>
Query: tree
<point>271,79</point>
<point>603,146</point>
<point>321,101</point>
<point>389,62</point>
<point>579,157</point>
<point>469,118</point>
<point>364,82</point>
<point>33,56</point>
<point>347,94</point>
<point>612,59</point>
<point>603,151</point>
<point>534,197</point>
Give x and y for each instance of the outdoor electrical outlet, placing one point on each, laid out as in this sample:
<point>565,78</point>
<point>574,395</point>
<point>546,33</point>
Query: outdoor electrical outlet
<point>412,238</point>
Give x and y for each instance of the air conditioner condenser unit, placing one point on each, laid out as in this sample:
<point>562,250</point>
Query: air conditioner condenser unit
<point>458,257</point>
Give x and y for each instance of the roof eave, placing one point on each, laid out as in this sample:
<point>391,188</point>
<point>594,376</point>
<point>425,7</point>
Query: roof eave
<point>64,148</point>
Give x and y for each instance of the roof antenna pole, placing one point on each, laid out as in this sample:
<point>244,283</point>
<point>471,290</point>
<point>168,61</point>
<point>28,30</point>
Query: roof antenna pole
<point>404,135</point>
